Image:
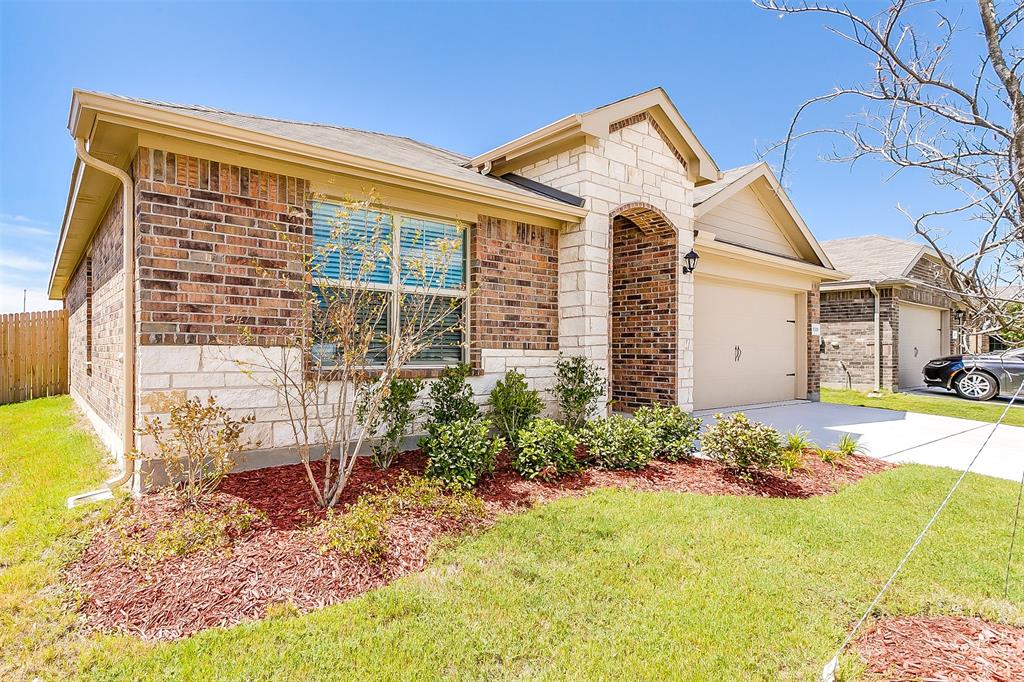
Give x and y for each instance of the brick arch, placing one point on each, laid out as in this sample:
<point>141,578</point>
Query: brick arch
<point>643,311</point>
<point>643,215</point>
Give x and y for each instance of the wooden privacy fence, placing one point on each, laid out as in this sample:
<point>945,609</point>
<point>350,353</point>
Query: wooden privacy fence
<point>33,355</point>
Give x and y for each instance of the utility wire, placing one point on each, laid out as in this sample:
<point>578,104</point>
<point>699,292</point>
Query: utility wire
<point>829,671</point>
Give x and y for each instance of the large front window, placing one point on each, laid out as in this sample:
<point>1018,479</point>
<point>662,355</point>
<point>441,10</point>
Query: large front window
<point>408,275</point>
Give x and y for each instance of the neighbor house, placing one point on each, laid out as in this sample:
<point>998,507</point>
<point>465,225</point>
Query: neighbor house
<point>576,243</point>
<point>880,327</point>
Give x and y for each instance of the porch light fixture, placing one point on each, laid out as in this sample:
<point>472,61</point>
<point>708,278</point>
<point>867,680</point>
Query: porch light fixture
<point>959,315</point>
<point>691,262</point>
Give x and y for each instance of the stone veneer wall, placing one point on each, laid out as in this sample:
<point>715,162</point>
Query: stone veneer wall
<point>633,163</point>
<point>643,316</point>
<point>99,390</point>
<point>813,344</point>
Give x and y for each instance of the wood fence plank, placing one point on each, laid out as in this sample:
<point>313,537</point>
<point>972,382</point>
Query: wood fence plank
<point>33,355</point>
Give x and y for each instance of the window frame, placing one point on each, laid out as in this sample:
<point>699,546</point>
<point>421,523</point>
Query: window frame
<point>396,289</point>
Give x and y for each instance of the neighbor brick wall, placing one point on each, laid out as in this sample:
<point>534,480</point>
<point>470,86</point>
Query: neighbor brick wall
<point>847,328</point>
<point>643,316</point>
<point>813,343</point>
<point>514,280</point>
<point>211,252</point>
<point>102,388</point>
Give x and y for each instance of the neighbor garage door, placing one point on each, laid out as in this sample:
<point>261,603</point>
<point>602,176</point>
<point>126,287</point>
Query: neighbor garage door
<point>920,333</point>
<point>744,344</point>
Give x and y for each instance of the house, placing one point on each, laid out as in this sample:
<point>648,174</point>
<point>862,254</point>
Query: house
<point>576,244</point>
<point>880,327</point>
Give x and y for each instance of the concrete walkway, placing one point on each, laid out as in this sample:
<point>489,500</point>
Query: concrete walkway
<point>904,436</point>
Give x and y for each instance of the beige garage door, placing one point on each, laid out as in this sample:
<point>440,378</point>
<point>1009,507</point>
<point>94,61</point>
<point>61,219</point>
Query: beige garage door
<point>920,341</point>
<point>744,345</point>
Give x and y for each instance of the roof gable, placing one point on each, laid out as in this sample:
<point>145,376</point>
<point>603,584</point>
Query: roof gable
<point>876,258</point>
<point>599,123</point>
<point>754,209</point>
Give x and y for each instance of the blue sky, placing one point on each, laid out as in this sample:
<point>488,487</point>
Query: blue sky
<point>462,76</point>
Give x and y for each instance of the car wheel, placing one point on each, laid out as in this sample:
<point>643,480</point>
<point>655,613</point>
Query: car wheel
<point>975,386</point>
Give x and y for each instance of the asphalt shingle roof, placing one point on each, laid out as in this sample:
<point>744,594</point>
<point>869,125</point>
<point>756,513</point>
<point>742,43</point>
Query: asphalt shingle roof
<point>705,192</point>
<point>402,151</point>
<point>872,257</point>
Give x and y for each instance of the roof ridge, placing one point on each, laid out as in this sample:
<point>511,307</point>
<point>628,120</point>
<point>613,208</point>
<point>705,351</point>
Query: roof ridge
<point>216,110</point>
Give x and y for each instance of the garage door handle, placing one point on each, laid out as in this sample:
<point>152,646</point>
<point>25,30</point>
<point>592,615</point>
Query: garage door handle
<point>737,354</point>
<point>791,374</point>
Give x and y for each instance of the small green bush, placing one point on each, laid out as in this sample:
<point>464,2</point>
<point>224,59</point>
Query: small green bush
<point>360,531</point>
<point>619,443</point>
<point>394,417</point>
<point>578,387</point>
<point>741,444</point>
<point>675,432</point>
<point>200,528</point>
<point>513,405</point>
<point>461,452</point>
<point>451,397</point>
<point>416,493</point>
<point>547,450</point>
<point>791,461</point>
<point>798,440</point>
<point>848,446</point>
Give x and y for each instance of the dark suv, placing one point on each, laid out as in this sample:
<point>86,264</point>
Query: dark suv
<point>978,377</point>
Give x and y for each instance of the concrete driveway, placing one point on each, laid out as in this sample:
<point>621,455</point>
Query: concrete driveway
<point>904,436</point>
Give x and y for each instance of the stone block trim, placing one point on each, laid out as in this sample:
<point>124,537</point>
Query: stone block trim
<point>95,308</point>
<point>643,315</point>
<point>216,243</point>
<point>514,285</point>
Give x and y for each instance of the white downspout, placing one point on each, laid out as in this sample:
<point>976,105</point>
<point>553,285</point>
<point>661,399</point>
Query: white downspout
<point>128,342</point>
<point>878,340</point>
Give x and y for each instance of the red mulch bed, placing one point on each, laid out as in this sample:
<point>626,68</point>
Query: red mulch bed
<point>943,648</point>
<point>277,562</point>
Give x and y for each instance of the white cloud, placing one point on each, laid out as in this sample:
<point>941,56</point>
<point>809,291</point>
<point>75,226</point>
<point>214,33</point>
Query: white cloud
<point>23,225</point>
<point>11,300</point>
<point>15,261</point>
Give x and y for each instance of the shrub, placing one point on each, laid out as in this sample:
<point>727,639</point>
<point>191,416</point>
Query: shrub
<point>798,440</point>
<point>578,387</point>
<point>393,417</point>
<point>360,531</point>
<point>201,448</point>
<point>513,405</point>
<point>547,450</point>
<point>675,432</point>
<point>790,461</point>
<point>848,445</point>
<point>618,443</point>
<point>461,452</point>
<point>451,397</point>
<point>195,529</point>
<point>741,444</point>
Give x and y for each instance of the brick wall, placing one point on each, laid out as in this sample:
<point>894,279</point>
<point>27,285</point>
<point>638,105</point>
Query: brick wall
<point>813,343</point>
<point>211,250</point>
<point>101,388</point>
<point>643,316</point>
<point>514,280</point>
<point>847,328</point>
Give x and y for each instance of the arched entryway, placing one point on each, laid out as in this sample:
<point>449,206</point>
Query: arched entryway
<point>644,306</point>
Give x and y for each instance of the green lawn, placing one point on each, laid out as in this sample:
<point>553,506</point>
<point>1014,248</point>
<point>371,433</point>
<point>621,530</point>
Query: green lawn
<point>614,585</point>
<point>909,402</point>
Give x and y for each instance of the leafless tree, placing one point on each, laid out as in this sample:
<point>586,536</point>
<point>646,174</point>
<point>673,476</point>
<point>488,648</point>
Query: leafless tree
<point>918,111</point>
<point>335,370</point>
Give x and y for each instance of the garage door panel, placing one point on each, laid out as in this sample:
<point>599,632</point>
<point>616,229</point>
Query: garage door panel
<point>744,345</point>
<point>920,340</point>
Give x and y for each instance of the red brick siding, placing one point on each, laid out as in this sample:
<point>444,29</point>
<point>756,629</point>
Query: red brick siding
<point>102,388</point>
<point>514,285</point>
<point>643,316</point>
<point>813,343</point>
<point>210,239</point>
